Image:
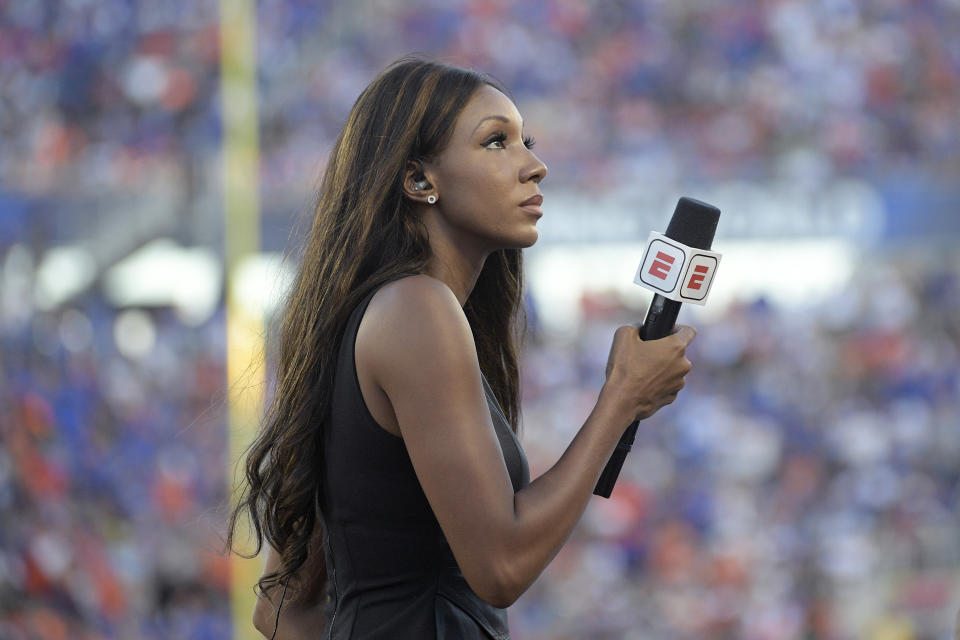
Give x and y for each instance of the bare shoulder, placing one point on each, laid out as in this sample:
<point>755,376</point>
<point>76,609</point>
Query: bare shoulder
<point>414,294</point>
<point>413,319</point>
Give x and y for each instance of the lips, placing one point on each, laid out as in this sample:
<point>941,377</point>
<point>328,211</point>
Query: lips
<point>532,205</point>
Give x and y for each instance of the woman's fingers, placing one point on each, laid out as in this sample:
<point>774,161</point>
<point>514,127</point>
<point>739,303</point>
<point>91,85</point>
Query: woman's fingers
<point>651,372</point>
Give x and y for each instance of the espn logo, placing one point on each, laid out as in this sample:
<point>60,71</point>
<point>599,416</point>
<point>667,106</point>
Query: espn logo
<point>698,278</point>
<point>677,271</point>
<point>662,267</point>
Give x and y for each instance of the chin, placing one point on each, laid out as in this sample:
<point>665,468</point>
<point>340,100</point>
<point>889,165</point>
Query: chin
<point>527,240</point>
<point>518,239</point>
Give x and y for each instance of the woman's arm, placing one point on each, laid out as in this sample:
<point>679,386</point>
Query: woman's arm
<point>300,618</point>
<point>418,346</point>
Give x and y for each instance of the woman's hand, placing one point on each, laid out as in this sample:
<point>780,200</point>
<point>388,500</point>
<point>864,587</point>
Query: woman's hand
<point>647,375</point>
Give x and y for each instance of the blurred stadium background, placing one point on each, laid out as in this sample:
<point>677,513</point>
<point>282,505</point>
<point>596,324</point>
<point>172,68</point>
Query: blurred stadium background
<point>805,485</point>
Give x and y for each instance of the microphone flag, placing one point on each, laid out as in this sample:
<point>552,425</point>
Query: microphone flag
<point>676,271</point>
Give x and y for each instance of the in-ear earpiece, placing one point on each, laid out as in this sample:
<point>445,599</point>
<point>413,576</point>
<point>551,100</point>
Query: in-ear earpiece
<point>421,184</point>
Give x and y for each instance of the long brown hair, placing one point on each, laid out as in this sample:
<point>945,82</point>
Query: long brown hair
<point>364,233</point>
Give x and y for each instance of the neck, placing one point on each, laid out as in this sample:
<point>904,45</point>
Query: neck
<point>456,270</point>
<point>456,261</point>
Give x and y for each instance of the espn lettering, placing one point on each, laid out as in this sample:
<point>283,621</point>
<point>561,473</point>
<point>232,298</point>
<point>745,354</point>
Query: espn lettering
<point>662,266</point>
<point>699,277</point>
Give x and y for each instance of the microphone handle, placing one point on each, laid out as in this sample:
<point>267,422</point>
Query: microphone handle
<point>661,316</point>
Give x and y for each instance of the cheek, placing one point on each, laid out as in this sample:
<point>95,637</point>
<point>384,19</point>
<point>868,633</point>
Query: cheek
<point>481,176</point>
<point>478,192</point>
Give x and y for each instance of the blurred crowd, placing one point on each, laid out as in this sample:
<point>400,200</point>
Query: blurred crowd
<point>112,475</point>
<point>103,100</point>
<point>117,96</point>
<point>805,483</point>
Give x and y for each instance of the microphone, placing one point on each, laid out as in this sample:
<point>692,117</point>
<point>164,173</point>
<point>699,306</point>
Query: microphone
<point>693,224</point>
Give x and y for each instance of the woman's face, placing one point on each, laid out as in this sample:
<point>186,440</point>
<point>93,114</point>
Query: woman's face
<point>486,176</point>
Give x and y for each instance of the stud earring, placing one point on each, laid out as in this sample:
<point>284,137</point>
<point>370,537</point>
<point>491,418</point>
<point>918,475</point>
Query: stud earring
<point>431,198</point>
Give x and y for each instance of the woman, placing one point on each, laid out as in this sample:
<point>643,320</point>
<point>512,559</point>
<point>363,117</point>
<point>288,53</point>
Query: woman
<point>391,435</point>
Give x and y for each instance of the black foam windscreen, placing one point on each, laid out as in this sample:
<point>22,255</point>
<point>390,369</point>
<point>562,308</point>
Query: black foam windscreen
<point>694,223</point>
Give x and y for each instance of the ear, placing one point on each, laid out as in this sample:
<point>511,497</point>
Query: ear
<point>417,185</point>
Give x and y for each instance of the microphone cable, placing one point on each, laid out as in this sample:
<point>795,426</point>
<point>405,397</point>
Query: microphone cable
<point>276,625</point>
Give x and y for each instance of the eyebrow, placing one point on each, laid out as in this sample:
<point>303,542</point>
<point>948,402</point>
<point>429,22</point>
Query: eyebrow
<point>496,117</point>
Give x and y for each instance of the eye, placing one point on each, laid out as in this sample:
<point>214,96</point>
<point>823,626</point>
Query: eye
<point>500,137</point>
<point>497,138</point>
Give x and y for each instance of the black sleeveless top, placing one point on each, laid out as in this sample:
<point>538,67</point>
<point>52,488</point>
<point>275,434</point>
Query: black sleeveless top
<point>391,573</point>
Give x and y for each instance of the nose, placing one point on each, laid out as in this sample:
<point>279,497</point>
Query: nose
<point>535,171</point>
